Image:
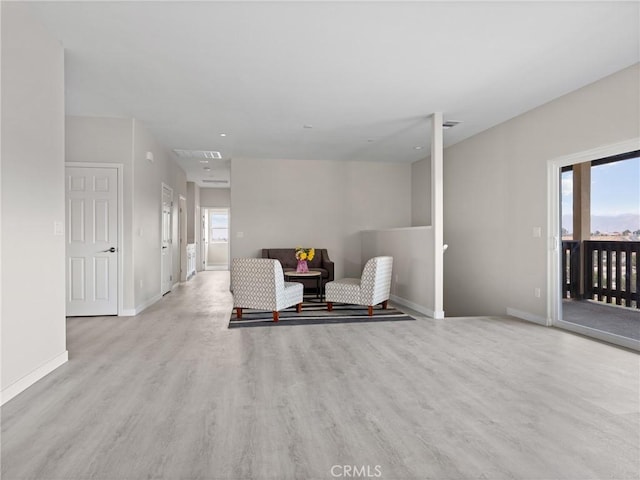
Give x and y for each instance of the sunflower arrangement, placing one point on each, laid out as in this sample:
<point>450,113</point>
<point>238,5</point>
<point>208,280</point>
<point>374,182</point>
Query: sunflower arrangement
<point>305,253</point>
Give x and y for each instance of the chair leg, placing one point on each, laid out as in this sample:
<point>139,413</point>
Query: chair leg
<point>276,315</point>
<point>239,312</point>
<point>371,310</point>
<point>298,308</point>
<point>384,304</point>
<point>330,306</point>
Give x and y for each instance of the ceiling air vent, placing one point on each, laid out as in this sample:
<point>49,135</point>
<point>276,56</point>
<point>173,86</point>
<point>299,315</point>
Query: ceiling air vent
<point>198,154</point>
<point>215,181</point>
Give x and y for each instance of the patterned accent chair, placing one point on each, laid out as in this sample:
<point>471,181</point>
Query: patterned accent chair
<point>371,289</point>
<point>259,283</point>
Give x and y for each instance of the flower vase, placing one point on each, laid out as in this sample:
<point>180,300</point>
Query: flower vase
<point>302,266</point>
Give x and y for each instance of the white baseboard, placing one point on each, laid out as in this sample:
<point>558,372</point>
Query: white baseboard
<point>147,304</point>
<point>31,378</point>
<point>529,317</point>
<point>132,312</point>
<point>418,308</point>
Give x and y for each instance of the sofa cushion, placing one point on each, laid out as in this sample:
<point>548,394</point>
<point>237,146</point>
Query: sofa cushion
<point>286,256</point>
<point>316,263</point>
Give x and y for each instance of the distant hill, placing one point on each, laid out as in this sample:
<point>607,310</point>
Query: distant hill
<point>607,223</point>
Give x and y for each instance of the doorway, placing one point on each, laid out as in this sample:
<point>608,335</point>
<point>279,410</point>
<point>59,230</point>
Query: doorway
<point>93,236</point>
<point>591,287</point>
<point>215,238</point>
<point>166,252</point>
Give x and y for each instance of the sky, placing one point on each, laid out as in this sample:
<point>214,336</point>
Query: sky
<point>219,220</point>
<point>615,189</point>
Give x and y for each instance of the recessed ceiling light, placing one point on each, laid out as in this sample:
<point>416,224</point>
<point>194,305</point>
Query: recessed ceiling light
<point>418,147</point>
<point>223,134</point>
<point>204,161</point>
<point>206,169</point>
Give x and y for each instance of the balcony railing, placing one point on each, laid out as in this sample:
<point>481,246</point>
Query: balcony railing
<point>610,271</point>
<point>570,269</point>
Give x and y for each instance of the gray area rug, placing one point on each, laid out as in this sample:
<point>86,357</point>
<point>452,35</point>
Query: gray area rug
<point>315,313</point>
<point>621,321</point>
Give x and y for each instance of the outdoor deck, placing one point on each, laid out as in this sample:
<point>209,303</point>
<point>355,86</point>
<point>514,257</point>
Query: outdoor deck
<point>601,316</point>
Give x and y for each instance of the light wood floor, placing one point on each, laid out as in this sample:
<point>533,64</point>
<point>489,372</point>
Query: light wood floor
<point>173,394</point>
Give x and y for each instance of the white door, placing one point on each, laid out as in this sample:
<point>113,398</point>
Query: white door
<point>166,246</point>
<point>92,241</point>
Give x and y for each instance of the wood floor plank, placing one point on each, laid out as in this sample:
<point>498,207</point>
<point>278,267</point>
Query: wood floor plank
<point>174,394</point>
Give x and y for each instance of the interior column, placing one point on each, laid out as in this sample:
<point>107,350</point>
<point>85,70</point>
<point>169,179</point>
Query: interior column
<point>437,213</point>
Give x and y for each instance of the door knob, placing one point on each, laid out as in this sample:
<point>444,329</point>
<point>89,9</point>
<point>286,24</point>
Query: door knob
<point>112,250</point>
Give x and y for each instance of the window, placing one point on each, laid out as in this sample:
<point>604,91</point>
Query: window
<point>218,227</point>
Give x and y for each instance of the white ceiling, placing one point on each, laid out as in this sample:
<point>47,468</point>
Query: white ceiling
<point>364,75</point>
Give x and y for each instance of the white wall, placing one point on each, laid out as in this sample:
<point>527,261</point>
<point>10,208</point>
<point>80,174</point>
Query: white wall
<point>193,191</point>
<point>495,191</point>
<point>33,258</point>
<point>412,252</point>
<point>108,140</point>
<point>147,201</point>
<point>215,197</point>
<point>421,193</point>
<point>194,228</point>
<point>127,141</point>
<point>218,254</point>
<point>321,204</point>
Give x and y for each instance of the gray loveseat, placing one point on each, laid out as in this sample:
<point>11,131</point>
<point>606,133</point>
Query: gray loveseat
<point>287,258</point>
